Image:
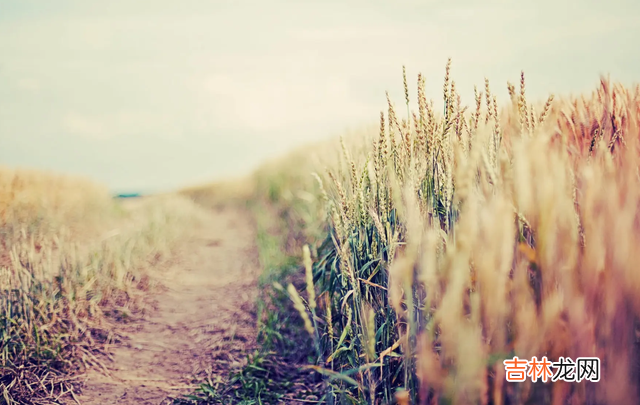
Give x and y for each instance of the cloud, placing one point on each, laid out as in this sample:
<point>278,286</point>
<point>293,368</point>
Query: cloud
<point>82,125</point>
<point>288,102</point>
<point>29,84</point>
<point>226,77</point>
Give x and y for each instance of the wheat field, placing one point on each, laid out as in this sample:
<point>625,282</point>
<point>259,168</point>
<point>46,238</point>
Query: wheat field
<point>455,238</point>
<point>405,263</point>
<point>73,261</point>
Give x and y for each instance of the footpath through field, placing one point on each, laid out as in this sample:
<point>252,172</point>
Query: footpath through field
<point>202,321</point>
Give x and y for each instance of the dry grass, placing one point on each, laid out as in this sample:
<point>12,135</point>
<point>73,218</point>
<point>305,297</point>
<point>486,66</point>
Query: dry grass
<point>73,261</point>
<point>455,240</point>
<point>216,195</point>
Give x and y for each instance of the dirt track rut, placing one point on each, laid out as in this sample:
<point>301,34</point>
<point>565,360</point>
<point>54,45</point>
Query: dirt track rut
<point>202,321</point>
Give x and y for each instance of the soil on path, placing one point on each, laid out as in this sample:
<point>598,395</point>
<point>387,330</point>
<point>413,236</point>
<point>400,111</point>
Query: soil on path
<point>202,321</point>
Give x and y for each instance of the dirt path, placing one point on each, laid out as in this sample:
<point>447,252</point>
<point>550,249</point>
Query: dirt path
<point>202,323</point>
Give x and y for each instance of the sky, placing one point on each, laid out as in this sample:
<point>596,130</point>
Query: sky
<point>148,96</point>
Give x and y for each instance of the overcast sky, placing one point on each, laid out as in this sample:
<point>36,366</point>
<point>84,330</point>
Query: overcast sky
<point>152,95</point>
